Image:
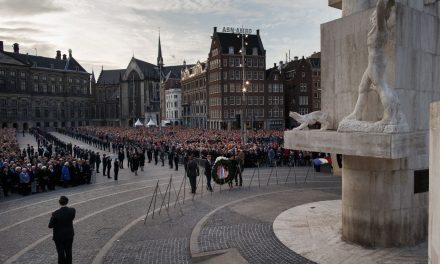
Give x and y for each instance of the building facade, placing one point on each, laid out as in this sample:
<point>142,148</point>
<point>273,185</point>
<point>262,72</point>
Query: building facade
<point>298,76</point>
<point>173,102</point>
<point>107,95</point>
<point>236,88</point>
<point>275,98</point>
<point>315,62</point>
<point>194,94</point>
<point>38,91</point>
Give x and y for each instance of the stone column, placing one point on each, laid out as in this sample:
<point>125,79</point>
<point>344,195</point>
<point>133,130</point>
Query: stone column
<point>379,206</point>
<point>434,185</point>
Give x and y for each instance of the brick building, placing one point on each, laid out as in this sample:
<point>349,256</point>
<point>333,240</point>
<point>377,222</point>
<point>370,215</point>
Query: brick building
<point>302,86</point>
<point>225,81</point>
<point>37,91</point>
<point>194,95</point>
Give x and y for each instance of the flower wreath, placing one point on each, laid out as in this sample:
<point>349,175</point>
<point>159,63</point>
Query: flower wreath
<point>223,170</point>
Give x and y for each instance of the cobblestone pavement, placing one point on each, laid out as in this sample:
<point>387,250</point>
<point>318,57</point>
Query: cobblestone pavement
<point>109,221</point>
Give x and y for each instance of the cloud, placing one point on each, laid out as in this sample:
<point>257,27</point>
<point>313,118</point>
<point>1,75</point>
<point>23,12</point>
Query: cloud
<point>188,6</point>
<point>13,8</point>
<point>20,30</point>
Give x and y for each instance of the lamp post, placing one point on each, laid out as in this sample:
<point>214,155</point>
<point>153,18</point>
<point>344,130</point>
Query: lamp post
<point>243,89</point>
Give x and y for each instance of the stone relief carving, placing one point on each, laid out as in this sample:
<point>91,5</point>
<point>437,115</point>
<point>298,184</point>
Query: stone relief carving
<point>374,78</point>
<point>311,119</point>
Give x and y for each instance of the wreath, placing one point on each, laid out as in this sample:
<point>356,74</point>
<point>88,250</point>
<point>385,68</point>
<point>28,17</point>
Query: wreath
<point>223,170</point>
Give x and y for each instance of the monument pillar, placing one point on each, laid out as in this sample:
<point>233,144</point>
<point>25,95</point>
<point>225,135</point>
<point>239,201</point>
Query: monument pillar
<point>379,207</point>
<point>434,181</point>
<point>384,174</point>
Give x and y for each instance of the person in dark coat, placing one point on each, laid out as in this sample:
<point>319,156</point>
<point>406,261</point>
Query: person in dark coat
<point>62,224</point>
<point>109,166</point>
<point>208,170</point>
<point>176,160</point>
<point>192,173</point>
<point>98,161</point>
<point>135,164</point>
<point>121,157</point>
<point>104,164</point>
<point>116,169</point>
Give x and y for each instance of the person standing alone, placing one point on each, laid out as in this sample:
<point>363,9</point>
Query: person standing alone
<point>62,224</point>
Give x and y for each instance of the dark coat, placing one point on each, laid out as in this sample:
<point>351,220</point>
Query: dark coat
<point>62,223</point>
<point>192,169</point>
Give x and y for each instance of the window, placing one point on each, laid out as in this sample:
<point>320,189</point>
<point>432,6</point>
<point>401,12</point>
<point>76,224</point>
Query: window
<point>270,100</point>
<point>22,74</point>
<point>231,50</point>
<point>303,100</point>
<point>261,100</point>
<point>254,51</point>
<point>232,100</point>
<point>255,75</point>
<point>261,76</point>
<point>303,74</point>
<point>44,78</point>
<point>35,77</point>
<point>281,88</point>
<point>303,87</point>
<point>35,87</point>
<point>2,72</point>
<point>225,75</point>
<point>23,85</point>
<point>237,62</point>
<point>270,88</point>
<point>12,73</point>
<point>261,63</point>
<point>225,101</point>
<point>303,111</point>
<point>225,62</point>
<point>238,100</point>
<point>276,87</point>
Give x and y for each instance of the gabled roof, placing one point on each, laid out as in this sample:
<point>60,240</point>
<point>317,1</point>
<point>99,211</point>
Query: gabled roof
<point>147,68</point>
<point>70,64</point>
<point>110,76</point>
<point>5,59</point>
<point>234,40</point>
<point>175,70</point>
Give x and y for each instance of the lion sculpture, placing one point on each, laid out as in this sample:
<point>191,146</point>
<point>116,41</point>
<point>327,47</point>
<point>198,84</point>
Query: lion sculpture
<point>311,119</point>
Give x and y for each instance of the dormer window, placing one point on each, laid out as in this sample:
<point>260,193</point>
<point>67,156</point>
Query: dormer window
<point>254,51</point>
<point>231,50</point>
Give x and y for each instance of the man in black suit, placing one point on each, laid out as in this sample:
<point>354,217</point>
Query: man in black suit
<point>192,172</point>
<point>208,170</point>
<point>62,224</point>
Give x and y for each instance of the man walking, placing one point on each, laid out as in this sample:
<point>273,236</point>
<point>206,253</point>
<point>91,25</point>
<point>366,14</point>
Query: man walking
<point>104,164</point>
<point>62,224</point>
<point>116,169</point>
<point>208,169</point>
<point>192,173</point>
<point>98,161</point>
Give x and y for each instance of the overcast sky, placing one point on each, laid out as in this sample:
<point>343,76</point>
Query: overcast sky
<point>109,32</point>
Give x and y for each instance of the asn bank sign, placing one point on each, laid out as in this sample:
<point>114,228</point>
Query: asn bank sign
<point>237,30</point>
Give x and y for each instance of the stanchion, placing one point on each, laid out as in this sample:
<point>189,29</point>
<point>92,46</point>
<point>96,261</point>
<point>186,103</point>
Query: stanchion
<point>258,175</point>
<point>164,197</point>
<point>151,202</point>
<point>307,174</point>
<point>270,176</point>
<point>184,187</point>
<point>252,177</point>
<point>180,188</point>
<point>177,199</point>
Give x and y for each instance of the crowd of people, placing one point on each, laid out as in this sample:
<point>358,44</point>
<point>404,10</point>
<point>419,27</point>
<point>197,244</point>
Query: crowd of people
<point>53,163</point>
<point>59,163</point>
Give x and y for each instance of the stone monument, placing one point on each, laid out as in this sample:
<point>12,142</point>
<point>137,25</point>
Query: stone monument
<point>381,60</point>
<point>434,182</point>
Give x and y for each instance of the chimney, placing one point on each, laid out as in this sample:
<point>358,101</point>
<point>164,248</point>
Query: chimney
<point>281,65</point>
<point>274,64</point>
<point>16,48</point>
<point>258,32</point>
<point>1,45</point>
<point>70,53</point>
<point>295,58</point>
<point>64,57</point>
<point>215,30</point>
<point>58,57</point>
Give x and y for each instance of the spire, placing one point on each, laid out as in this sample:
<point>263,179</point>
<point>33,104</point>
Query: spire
<point>159,54</point>
<point>93,77</point>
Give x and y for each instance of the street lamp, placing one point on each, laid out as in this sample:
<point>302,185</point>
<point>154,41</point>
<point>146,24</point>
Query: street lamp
<point>243,89</point>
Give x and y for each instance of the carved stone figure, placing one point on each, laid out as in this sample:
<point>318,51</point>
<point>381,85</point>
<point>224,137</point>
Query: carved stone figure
<point>374,78</point>
<point>311,119</point>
